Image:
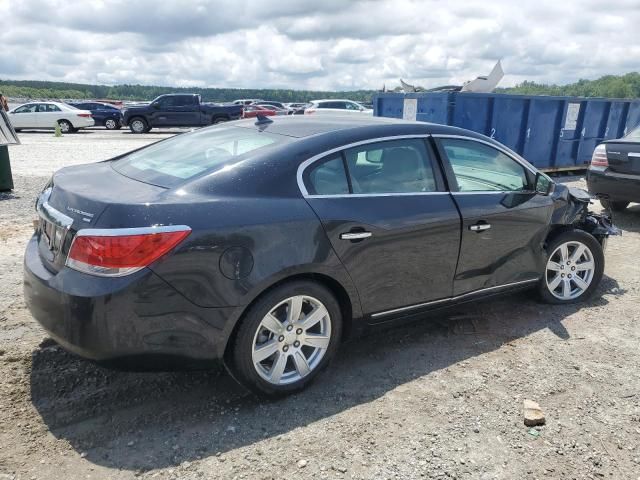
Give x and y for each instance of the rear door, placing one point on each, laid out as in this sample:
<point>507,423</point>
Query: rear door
<point>389,219</point>
<point>48,115</point>
<point>504,223</point>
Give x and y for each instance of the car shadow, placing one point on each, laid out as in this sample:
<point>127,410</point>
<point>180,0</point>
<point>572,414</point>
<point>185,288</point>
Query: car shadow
<point>628,219</point>
<point>144,421</point>
<point>51,132</point>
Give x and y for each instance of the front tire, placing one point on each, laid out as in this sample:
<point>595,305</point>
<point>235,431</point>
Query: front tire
<point>574,268</point>
<point>138,125</point>
<point>111,124</point>
<point>286,338</point>
<point>616,206</point>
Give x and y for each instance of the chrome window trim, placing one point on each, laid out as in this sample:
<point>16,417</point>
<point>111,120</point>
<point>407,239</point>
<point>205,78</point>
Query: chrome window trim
<point>451,299</point>
<point>119,232</point>
<point>302,167</point>
<point>364,195</point>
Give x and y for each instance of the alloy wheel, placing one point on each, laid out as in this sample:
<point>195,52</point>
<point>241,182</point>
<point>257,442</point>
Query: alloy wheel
<point>65,127</point>
<point>291,340</point>
<point>110,124</point>
<point>570,270</point>
<point>137,126</point>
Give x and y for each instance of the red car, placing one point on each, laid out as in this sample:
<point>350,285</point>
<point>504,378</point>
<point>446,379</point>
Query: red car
<point>252,111</point>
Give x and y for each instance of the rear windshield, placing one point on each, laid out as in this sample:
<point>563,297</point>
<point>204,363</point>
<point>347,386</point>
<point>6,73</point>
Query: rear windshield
<point>185,156</point>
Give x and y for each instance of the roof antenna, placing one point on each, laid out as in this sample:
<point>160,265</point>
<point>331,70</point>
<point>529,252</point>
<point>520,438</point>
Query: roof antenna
<point>263,119</point>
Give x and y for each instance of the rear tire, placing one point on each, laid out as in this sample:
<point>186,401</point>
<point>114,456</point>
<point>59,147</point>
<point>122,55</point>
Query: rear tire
<point>275,352</point>
<point>574,268</point>
<point>616,206</point>
<point>65,126</point>
<point>138,125</point>
<point>219,120</point>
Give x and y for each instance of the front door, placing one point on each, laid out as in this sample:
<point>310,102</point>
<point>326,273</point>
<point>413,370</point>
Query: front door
<point>25,116</point>
<point>504,222</point>
<point>385,211</point>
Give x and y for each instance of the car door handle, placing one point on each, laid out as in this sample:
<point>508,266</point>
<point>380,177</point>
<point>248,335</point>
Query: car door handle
<point>479,227</point>
<point>355,235</point>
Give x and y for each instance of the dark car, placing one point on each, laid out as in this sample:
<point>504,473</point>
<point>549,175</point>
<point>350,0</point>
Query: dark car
<point>103,114</point>
<point>178,110</point>
<point>614,173</point>
<point>264,243</point>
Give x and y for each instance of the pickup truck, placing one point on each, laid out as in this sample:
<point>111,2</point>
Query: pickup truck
<point>178,110</point>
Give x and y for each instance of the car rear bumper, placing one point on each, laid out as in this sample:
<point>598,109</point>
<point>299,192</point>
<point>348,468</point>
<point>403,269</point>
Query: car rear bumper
<point>111,318</point>
<point>612,185</point>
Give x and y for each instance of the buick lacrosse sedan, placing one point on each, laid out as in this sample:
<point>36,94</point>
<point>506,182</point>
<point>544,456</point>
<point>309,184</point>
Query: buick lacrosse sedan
<point>264,243</point>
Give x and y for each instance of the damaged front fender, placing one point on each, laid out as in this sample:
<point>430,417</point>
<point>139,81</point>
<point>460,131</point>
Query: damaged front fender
<point>571,208</point>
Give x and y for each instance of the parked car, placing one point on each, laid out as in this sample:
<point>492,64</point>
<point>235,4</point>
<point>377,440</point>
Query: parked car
<point>333,107</point>
<point>252,111</point>
<point>104,114</point>
<point>178,110</point>
<point>279,107</point>
<point>246,101</point>
<point>265,243</point>
<point>45,115</point>
<point>614,173</point>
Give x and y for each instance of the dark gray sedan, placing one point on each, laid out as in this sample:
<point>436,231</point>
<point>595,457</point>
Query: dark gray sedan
<point>264,243</point>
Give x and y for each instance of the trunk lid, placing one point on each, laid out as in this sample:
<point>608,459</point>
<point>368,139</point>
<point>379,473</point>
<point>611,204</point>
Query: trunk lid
<point>78,197</point>
<point>624,156</point>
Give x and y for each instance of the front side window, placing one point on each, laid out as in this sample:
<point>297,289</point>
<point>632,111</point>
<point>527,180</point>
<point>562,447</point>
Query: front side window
<point>481,168</point>
<point>26,108</point>
<point>327,177</point>
<point>352,106</point>
<point>397,166</point>
<point>172,161</point>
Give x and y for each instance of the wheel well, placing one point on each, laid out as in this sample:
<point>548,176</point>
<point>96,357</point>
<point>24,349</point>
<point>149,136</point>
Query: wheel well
<point>334,287</point>
<point>64,120</point>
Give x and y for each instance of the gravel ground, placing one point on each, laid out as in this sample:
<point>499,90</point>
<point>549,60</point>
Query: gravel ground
<point>438,399</point>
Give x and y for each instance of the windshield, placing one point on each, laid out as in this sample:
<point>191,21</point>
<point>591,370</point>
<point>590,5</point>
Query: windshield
<point>185,156</point>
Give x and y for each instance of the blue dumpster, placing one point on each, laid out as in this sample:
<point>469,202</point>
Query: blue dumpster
<point>553,133</point>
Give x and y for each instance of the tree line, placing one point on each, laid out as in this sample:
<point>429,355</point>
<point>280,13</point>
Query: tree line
<point>62,90</point>
<point>609,86</point>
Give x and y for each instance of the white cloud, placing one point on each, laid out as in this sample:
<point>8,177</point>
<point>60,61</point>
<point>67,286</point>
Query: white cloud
<point>333,44</point>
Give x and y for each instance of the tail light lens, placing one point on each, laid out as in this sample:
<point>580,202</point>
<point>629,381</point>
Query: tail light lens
<point>309,111</point>
<point>599,158</point>
<point>84,115</point>
<point>119,252</point>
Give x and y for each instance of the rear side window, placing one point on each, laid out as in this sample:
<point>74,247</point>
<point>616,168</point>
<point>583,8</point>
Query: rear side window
<point>397,166</point>
<point>327,177</point>
<point>481,168</point>
<point>185,156</point>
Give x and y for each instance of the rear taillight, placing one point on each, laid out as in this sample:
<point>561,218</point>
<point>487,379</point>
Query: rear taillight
<point>309,111</point>
<point>119,252</point>
<point>84,115</point>
<point>599,158</point>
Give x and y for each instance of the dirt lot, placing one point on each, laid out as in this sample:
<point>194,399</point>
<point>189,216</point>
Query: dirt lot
<point>439,399</point>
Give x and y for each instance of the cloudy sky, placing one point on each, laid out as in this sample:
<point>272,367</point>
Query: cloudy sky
<point>325,44</point>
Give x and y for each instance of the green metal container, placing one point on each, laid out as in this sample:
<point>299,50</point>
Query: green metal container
<point>6,179</point>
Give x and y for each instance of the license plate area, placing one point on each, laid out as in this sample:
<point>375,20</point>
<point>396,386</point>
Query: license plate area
<point>54,228</point>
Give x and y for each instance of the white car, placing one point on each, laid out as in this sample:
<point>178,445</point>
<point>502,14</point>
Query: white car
<point>336,106</point>
<point>47,114</point>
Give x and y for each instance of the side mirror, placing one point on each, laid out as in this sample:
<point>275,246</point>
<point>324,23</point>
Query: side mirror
<point>155,105</point>
<point>543,185</point>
